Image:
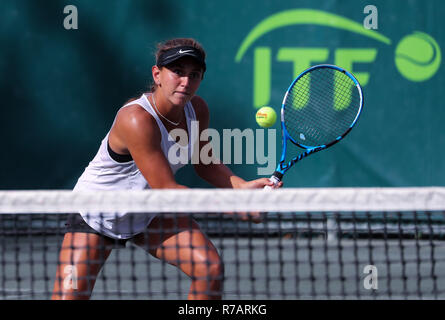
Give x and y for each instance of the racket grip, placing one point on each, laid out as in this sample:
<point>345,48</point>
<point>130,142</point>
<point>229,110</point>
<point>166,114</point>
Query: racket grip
<point>275,178</point>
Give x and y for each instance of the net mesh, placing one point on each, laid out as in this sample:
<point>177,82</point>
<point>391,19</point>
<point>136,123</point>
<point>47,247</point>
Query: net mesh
<point>352,243</point>
<point>320,107</point>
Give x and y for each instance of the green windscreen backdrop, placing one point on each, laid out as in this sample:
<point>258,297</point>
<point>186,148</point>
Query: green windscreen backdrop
<point>61,88</point>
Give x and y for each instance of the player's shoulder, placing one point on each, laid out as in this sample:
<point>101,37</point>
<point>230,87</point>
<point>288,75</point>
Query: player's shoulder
<point>135,117</point>
<point>134,111</point>
<point>200,106</point>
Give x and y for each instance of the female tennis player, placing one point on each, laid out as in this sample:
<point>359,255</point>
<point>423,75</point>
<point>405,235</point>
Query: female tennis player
<point>134,155</point>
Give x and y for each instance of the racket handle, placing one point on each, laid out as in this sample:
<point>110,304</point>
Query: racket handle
<point>275,178</point>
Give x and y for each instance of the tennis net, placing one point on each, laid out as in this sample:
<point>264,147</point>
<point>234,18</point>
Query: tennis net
<point>326,243</point>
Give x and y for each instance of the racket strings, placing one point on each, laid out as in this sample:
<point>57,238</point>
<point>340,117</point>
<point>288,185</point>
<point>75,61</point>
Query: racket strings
<point>343,92</point>
<point>339,95</point>
<point>321,106</point>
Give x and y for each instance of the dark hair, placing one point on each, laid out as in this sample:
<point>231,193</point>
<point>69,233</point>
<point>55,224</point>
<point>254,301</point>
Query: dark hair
<point>174,43</point>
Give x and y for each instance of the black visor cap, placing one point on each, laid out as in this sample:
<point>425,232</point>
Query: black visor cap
<point>174,54</point>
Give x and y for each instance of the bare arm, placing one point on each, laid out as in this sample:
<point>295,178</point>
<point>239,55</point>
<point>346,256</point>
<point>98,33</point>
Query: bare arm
<point>138,131</point>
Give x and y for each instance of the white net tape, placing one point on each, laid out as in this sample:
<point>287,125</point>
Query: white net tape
<point>226,200</point>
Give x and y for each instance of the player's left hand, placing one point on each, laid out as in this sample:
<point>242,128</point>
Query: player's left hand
<point>256,217</point>
<point>260,184</point>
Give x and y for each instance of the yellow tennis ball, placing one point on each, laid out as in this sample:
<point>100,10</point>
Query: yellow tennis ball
<point>266,117</point>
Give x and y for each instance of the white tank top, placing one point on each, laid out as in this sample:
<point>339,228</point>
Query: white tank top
<point>104,173</point>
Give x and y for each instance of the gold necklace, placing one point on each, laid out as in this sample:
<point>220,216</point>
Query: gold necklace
<point>171,122</point>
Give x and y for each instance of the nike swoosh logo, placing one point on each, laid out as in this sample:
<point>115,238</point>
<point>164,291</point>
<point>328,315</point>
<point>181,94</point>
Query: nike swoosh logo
<point>181,52</point>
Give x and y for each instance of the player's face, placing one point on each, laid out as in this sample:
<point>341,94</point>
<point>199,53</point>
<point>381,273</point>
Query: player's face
<point>180,80</point>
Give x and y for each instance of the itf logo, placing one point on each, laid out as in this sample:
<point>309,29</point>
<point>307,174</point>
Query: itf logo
<point>417,56</point>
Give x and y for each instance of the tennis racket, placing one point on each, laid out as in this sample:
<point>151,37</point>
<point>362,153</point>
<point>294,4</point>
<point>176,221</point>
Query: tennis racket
<point>319,109</point>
